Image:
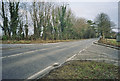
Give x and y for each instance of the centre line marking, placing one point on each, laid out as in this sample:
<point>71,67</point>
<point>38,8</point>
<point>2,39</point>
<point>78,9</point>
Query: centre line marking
<point>23,53</point>
<point>57,46</point>
<point>30,52</point>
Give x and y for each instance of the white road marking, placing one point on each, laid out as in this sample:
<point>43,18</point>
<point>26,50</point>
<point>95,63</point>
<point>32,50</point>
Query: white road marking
<point>43,49</point>
<point>23,53</point>
<point>78,53</point>
<point>26,52</point>
<point>85,54</point>
<point>51,43</point>
<point>42,71</point>
<point>57,46</point>
<point>81,51</point>
<point>45,44</point>
<point>39,73</point>
<point>71,57</point>
<point>75,54</point>
<point>34,51</point>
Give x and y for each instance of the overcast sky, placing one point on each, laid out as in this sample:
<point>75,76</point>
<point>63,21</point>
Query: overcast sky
<point>90,8</point>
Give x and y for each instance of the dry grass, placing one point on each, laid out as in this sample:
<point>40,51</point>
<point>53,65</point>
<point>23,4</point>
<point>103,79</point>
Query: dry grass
<point>84,70</point>
<point>110,42</point>
<point>33,41</point>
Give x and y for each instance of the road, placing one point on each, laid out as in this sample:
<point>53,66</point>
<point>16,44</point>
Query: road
<point>20,61</point>
<point>100,53</point>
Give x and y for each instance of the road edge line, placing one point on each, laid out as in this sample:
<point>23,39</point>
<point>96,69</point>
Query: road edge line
<point>40,73</point>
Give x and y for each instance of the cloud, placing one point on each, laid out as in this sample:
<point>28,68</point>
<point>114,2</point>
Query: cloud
<point>62,0</point>
<point>90,10</point>
<point>93,0</point>
<point>116,30</point>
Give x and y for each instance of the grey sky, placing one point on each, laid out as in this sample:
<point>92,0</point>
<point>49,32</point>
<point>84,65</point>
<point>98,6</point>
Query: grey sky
<point>89,10</point>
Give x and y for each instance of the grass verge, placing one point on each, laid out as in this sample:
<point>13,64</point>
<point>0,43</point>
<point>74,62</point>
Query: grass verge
<point>110,42</point>
<point>33,41</point>
<point>84,70</point>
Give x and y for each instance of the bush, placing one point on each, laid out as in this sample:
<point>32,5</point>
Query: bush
<point>4,37</point>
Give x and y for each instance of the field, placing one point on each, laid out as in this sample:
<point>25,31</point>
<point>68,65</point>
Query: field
<point>110,42</point>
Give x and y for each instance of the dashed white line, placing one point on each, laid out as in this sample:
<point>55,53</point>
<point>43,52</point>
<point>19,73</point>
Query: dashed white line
<point>57,46</point>
<point>23,53</point>
<point>81,51</point>
<point>43,49</point>
<point>71,57</point>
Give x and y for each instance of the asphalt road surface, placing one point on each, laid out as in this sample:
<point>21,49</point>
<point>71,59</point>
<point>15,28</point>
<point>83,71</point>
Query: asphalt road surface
<point>20,61</point>
<point>100,53</point>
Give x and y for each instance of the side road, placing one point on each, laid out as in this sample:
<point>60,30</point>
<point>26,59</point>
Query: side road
<point>111,46</point>
<point>99,53</point>
<point>92,62</point>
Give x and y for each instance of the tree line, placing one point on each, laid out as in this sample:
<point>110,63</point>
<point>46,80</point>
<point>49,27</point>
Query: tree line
<point>49,21</point>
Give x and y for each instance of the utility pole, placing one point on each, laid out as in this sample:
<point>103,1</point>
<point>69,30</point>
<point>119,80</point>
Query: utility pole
<point>118,33</point>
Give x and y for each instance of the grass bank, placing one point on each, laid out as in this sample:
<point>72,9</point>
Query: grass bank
<point>84,70</point>
<point>34,41</point>
<point>110,42</point>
